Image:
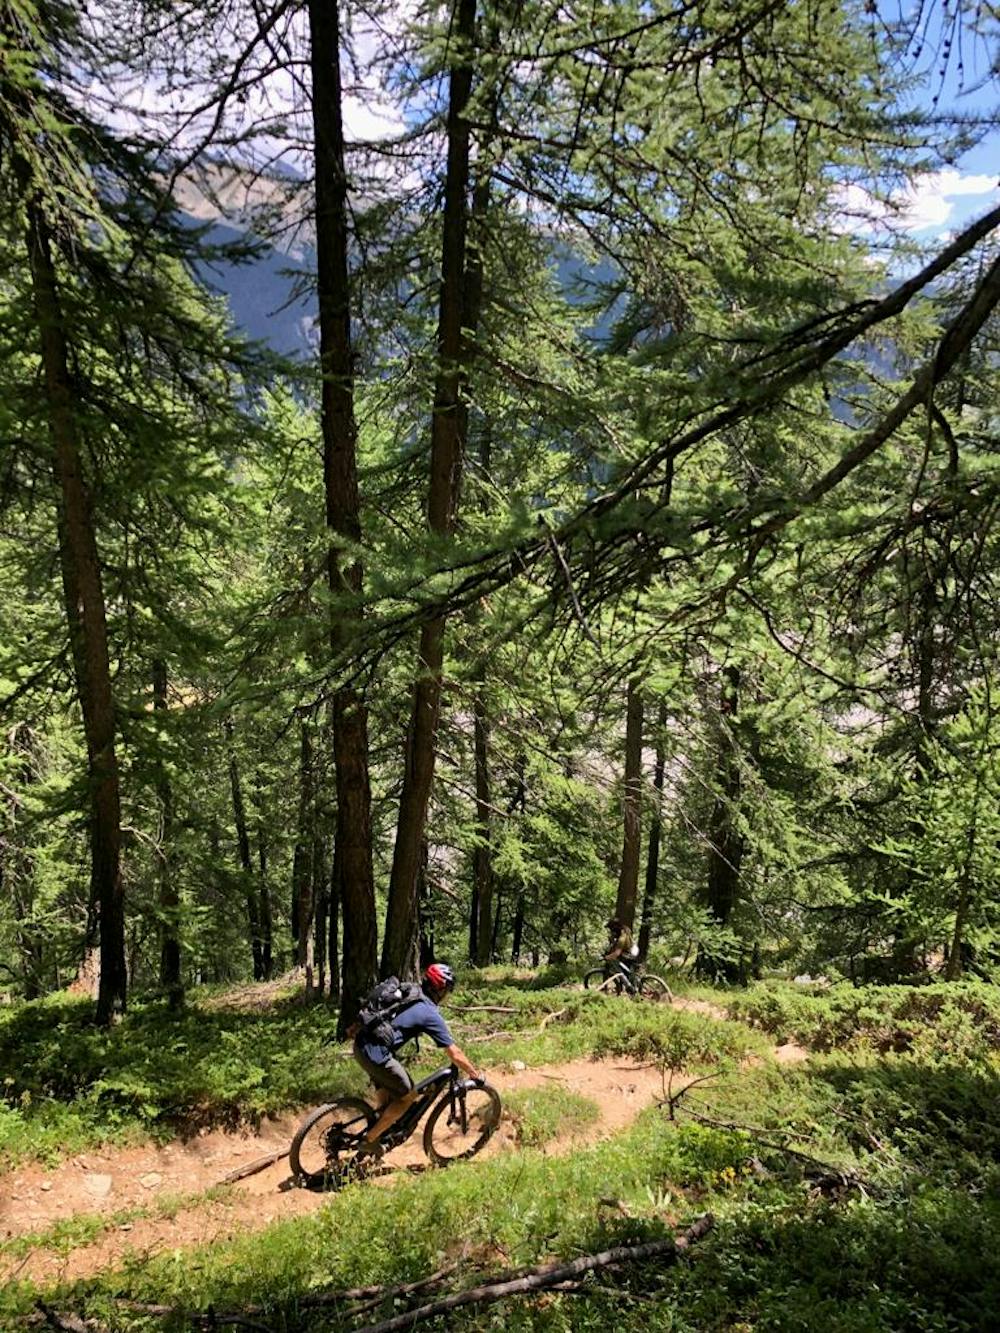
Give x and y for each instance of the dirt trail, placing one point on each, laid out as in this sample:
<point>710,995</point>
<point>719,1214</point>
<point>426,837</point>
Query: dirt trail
<point>108,1182</point>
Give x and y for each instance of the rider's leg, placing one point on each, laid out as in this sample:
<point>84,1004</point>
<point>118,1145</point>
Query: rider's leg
<point>391,1080</point>
<point>390,1115</point>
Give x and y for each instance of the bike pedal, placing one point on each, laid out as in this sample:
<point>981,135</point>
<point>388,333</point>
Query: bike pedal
<point>370,1152</point>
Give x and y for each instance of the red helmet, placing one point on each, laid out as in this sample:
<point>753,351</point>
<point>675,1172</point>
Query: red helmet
<point>440,976</point>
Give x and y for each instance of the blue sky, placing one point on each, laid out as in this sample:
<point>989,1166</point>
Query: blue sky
<point>937,204</point>
<point>963,78</point>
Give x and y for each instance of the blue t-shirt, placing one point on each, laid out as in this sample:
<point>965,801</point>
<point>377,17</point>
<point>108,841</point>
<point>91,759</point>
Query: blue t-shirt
<point>420,1018</point>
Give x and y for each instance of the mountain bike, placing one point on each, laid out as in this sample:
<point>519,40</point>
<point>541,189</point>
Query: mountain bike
<point>328,1146</point>
<point>625,980</point>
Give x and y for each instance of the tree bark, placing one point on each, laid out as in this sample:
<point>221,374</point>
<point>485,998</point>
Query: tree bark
<point>17,872</point>
<point>336,897</point>
<point>956,962</point>
<point>482,857</point>
<point>343,507</point>
<point>725,855</point>
<point>495,931</point>
<point>246,862</point>
<point>170,944</point>
<point>425,947</point>
<point>322,938</point>
<point>655,833</point>
<point>303,890</point>
<point>264,914</point>
<point>518,801</point>
<point>628,879</point>
<point>515,948</point>
<point>448,430</point>
<point>83,595</point>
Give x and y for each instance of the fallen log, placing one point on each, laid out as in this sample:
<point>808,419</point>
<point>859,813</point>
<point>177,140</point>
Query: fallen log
<point>251,1168</point>
<point>66,1323</point>
<point>540,1279</point>
<point>371,1296</point>
<point>550,1018</point>
<point>483,1009</point>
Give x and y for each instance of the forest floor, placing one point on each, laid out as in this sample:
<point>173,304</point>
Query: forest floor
<point>844,1141</point>
<point>147,1199</point>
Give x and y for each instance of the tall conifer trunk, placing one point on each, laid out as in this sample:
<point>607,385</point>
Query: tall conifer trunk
<point>333,932</point>
<point>246,863</point>
<point>264,914</point>
<point>170,945</point>
<point>18,865</point>
<point>515,948</point>
<point>83,595</point>
<point>655,833</point>
<point>628,879</point>
<point>335,895</point>
<point>303,883</point>
<point>448,431</point>
<point>518,802</point>
<point>482,858</point>
<point>725,857</point>
<point>343,507</point>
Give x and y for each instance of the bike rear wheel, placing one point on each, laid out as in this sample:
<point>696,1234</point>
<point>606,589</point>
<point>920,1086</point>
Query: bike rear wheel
<point>654,988</point>
<point>326,1143</point>
<point>461,1124</point>
<point>596,980</point>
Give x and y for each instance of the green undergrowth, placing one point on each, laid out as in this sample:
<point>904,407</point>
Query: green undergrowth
<point>156,1074</point>
<point>677,1040</point>
<point>942,1020</point>
<point>560,1024</point>
<point>540,1115</point>
<point>67,1084</point>
<point>912,1248</point>
<point>858,1192</point>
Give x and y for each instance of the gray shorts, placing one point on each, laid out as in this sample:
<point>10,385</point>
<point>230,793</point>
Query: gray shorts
<point>392,1075</point>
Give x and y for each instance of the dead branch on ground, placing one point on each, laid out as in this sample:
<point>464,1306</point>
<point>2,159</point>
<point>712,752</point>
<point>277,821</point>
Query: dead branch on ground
<point>483,1009</point>
<point>540,1279</point>
<point>550,1018</point>
<point>251,1168</point>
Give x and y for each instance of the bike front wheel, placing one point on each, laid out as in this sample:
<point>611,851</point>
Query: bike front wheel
<point>654,988</point>
<point>327,1142</point>
<point>462,1123</point>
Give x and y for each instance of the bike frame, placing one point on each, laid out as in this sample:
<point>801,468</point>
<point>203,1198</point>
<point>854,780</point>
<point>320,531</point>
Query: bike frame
<point>629,974</point>
<point>427,1090</point>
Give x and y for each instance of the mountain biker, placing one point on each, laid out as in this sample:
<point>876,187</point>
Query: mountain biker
<point>620,946</point>
<point>394,1086</point>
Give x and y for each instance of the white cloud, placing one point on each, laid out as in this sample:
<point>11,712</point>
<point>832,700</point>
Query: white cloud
<point>925,204</point>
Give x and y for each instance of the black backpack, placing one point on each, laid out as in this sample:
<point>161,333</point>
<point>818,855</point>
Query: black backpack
<point>381,1005</point>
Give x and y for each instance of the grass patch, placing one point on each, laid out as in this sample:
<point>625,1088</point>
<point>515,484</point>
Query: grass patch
<point>942,1020</point>
<point>540,1115</point>
<point>70,1233</point>
<point>781,1257</point>
<point>522,1205</point>
<point>72,1084</point>
<point>156,1074</point>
